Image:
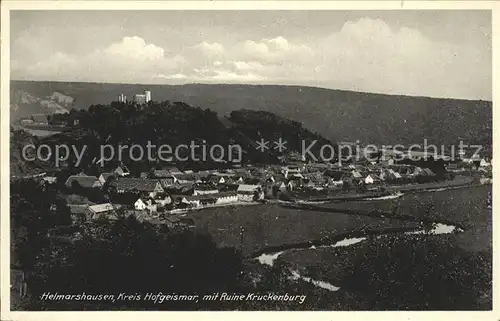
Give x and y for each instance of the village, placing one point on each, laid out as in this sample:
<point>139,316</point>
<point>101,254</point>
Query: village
<point>164,195</point>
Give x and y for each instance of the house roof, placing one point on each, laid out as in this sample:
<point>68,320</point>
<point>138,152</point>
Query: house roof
<point>40,118</point>
<point>83,180</point>
<point>356,174</point>
<point>49,179</point>
<point>122,168</point>
<point>106,175</point>
<point>177,185</point>
<point>139,184</point>
<point>161,173</point>
<point>185,177</point>
<point>428,171</point>
<point>248,188</point>
<point>373,176</point>
<point>100,208</point>
<point>204,187</point>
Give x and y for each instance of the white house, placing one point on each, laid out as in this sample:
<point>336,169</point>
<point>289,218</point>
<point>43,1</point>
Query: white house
<point>164,200</point>
<point>49,179</point>
<point>336,183</point>
<point>484,163</point>
<point>140,205</point>
<point>122,171</point>
<point>226,198</point>
<point>369,179</point>
<point>205,191</point>
<point>217,179</point>
<point>143,204</point>
<point>389,174</point>
<point>194,201</point>
<point>247,192</point>
<point>105,210</point>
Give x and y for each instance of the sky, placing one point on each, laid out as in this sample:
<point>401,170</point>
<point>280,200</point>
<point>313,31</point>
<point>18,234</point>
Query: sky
<point>421,53</point>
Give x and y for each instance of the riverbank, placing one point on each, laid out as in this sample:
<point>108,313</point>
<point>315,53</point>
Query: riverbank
<point>356,270</point>
<point>459,181</point>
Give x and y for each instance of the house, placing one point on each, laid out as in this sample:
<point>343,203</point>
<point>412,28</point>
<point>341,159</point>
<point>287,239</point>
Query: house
<point>179,188</point>
<point>484,163</point>
<point>371,178</point>
<point>173,222</point>
<point>356,174</point>
<point>204,190</point>
<point>169,181</point>
<point>248,193</point>
<point>295,181</point>
<point>335,178</point>
<point>427,172</point>
<point>172,179</point>
<point>288,172</point>
<point>83,181</point>
<point>239,179</point>
<point>389,174</point>
<point>49,179</point>
<point>40,119</point>
<point>210,199</point>
<point>226,197</point>
<point>140,205</point>
<point>291,184</point>
<point>144,203</point>
<point>148,186</point>
<point>161,173</point>
<point>122,171</point>
<point>174,171</point>
<point>104,177</point>
<point>215,179</point>
<point>163,199</point>
<point>308,183</point>
<point>416,171</point>
<point>102,211</point>
<point>468,160</point>
<point>195,201</point>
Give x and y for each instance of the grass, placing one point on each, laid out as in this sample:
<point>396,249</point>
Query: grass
<point>459,264</point>
<point>271,225</point>
<point>392,272</point>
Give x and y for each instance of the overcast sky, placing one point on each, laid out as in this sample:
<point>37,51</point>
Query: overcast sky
<point>424,53</point>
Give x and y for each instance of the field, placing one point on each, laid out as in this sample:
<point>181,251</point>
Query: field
<point>396,271</point>
<point>267,226</point>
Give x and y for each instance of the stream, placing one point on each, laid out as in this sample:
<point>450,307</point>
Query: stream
<point>268,258</point>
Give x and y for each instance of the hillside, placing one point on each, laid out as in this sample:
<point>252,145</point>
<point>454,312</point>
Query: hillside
<point>337,115</point>
<point>173,124</point>
<point>20,167</point>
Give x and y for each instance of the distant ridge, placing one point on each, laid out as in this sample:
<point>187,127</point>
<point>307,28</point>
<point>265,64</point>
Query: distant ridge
<point>338,115</point>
